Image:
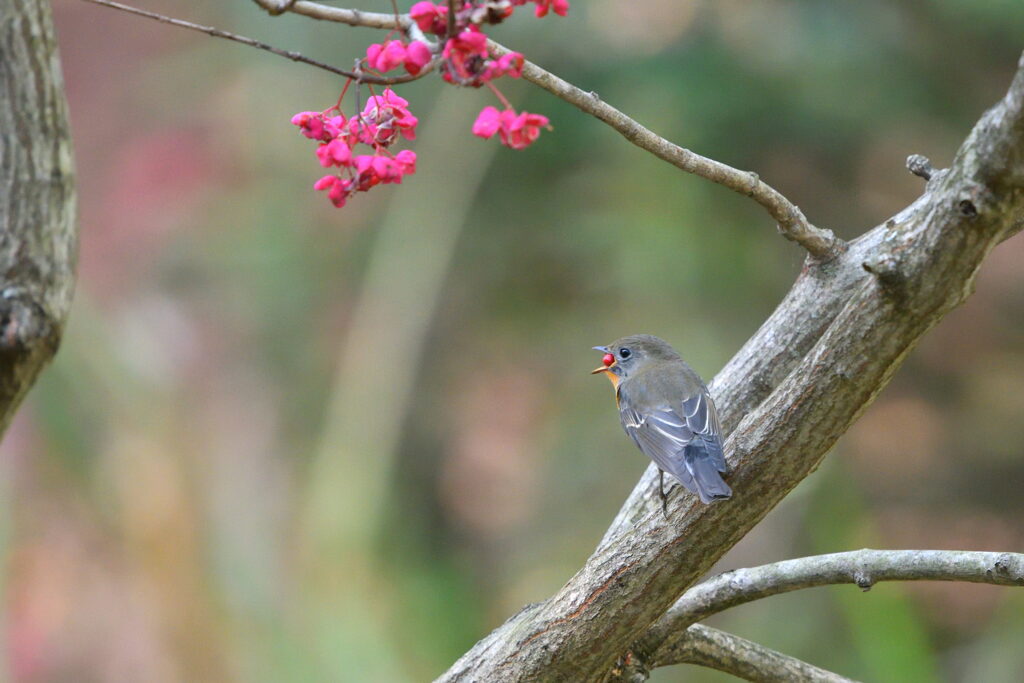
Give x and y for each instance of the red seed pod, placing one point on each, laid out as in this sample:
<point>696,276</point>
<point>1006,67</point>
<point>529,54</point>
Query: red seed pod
<point>608,360</point>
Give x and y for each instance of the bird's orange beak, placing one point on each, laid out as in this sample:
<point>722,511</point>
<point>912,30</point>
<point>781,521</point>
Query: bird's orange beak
<point>612,377</point>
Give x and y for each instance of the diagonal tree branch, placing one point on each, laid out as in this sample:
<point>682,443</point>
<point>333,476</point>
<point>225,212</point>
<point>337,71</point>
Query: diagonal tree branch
<point>820,243</point>
<point>864,568</point>
<point>925,261</point>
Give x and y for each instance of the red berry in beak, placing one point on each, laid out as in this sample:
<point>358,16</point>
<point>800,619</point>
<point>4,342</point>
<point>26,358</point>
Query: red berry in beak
<point>608,359</point>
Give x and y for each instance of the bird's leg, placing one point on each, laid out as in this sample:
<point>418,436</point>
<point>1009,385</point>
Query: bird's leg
<point>661,492</point>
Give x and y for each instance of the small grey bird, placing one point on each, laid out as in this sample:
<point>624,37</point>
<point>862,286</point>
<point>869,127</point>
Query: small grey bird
<point>667,410</point>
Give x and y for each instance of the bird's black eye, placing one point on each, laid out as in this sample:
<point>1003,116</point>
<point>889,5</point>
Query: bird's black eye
<point>625,353</point>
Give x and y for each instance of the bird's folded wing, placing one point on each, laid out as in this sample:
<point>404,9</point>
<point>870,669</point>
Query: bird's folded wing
<point>702,420</point>
<point>665,434</point>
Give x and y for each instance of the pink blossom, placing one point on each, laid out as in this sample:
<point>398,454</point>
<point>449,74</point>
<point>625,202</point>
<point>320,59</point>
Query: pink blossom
<point>417,56</point>
<point>560,7</point>
<point>487,123</point>
<point>506,65</point>
<point>465,56</point>
<point>334,153</point>
<point>372,170</point>
<point>387,115</point>
<point>388,170</point>
<point>524,130</point>
<point>430,18</point>
<point>407,158</point>
<point>310,123</point>
<point>338,189</point>
<point>334,126</point>
<point>468,43</point>
<point>387,56</point>
<point>315,126</point>
<point>467,61</point>
<point>517,131</point>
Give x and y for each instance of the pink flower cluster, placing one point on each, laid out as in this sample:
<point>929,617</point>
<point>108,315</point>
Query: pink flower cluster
<point>433,18</point>
<point>514,130</point>
<point>465,60</point>
<point>430,18</point>
<point>382,121</point>
<point>391,54</point>
<point>560,7</point>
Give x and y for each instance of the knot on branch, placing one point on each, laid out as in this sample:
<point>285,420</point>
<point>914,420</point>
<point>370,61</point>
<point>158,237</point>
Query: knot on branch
<point>24,325</point>
<point>975,199</point>
<point>1008,566</point>
<point>276,8</point>
<point>885,263</point>
<point>886,267</point>
<point>863,579</point>
<point>921,166</point>
<point>754,180</point>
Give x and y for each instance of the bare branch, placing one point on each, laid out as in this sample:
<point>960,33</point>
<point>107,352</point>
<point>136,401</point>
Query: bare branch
<point>288,54</point>
<point>352,17</point>
<point>861,567</point>
<point>726,652</point>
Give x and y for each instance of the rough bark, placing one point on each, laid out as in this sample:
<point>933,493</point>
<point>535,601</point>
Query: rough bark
<point>38,241</point>
<point>787,396</point>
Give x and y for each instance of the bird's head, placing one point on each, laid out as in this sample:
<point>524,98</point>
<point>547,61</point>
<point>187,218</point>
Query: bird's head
<point>629,355</point>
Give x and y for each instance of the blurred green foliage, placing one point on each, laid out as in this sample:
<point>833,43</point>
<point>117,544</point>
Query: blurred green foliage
<point>275,447</point>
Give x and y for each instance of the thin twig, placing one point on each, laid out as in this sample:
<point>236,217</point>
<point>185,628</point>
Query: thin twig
<point>861,567</point>
<point>822,244</point>
<point>450,27</point>
<point>288,54</point>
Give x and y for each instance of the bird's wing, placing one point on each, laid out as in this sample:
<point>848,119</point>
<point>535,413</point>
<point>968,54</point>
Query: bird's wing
<point>666,434</point>
<point>662,435</point>
<point>702,420</point>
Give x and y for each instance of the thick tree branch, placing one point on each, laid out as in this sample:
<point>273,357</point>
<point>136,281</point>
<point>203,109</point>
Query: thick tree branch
<point>861,567</point>
<point>820,243</point>
<point>848,341</point>
<point>705,646</point>
<point>38,238</point>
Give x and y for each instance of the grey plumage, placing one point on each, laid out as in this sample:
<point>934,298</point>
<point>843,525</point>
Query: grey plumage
<point>668,412</point>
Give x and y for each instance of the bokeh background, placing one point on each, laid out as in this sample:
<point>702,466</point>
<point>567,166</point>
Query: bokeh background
<point>285,442</point>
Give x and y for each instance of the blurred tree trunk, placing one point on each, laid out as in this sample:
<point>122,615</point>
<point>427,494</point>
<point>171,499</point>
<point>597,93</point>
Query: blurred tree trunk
<point>38,236</point>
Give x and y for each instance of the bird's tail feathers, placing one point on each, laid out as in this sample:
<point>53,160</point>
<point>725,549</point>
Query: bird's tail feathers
<point>709,483</point>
